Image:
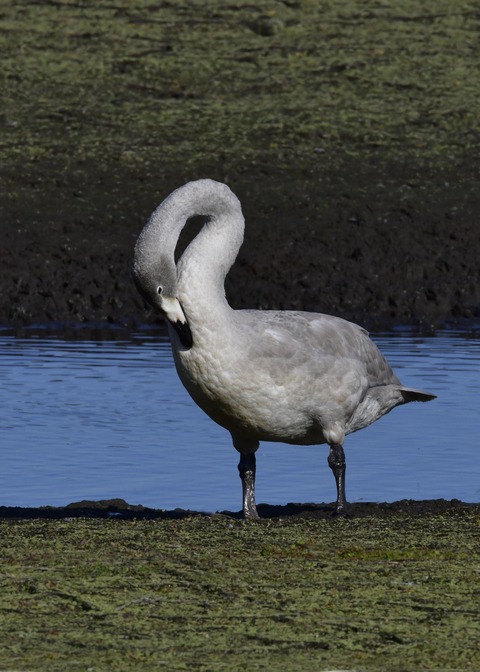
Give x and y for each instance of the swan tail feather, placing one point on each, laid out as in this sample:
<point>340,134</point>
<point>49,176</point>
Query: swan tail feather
<point>410,394</point>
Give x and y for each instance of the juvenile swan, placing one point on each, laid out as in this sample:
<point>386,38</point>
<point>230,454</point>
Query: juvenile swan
<point>296,377</point>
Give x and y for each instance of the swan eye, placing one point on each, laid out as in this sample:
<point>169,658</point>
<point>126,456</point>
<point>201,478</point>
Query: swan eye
<point>159,289</point>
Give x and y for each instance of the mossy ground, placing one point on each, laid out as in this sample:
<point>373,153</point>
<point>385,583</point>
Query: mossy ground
<point>235,82</point>
<point>396,593</point>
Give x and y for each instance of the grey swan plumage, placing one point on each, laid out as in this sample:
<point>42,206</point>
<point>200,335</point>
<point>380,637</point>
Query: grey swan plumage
<point>290,376</point>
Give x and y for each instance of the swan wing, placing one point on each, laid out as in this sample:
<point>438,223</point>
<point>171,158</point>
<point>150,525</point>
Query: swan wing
<point>321,343</point>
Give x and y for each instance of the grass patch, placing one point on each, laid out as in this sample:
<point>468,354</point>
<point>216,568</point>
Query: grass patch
<point>204,593</point>
<point>197,83</point>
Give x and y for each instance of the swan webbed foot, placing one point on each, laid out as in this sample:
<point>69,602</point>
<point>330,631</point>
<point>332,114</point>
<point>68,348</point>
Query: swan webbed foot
<point>341,512</point>
<point>337,463</point>
<point>247,468</point>
<point>251,513</point>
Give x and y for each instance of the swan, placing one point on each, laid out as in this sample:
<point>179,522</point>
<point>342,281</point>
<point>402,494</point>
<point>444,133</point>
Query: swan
<point>264,375</point>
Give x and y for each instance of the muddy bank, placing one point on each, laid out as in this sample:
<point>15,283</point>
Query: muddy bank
<point>122,510</point>
<point>349,132</point>
<point>376,247</point>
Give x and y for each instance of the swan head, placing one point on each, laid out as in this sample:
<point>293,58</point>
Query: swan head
<point>157,283</point>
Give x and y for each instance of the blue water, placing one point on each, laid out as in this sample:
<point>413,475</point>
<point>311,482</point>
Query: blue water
<point>86,419</point>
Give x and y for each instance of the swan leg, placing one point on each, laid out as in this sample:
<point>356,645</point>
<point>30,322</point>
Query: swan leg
<point>336,462</point>
<point>247,468</point>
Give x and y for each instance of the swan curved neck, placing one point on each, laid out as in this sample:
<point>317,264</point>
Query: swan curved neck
<point>203,266</point>
<point>198,279</point>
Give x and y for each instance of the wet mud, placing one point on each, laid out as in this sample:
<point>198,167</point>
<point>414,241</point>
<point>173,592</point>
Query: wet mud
<point>120,509</point>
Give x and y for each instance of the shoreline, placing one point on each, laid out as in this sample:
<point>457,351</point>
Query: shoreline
<point>121,510</point>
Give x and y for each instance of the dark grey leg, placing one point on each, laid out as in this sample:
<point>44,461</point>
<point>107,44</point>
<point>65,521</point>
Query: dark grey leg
<point>336,462</point>
<point>246,468</point>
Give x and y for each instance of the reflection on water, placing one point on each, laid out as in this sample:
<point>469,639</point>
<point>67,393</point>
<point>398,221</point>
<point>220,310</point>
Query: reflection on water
<point>100,419</point>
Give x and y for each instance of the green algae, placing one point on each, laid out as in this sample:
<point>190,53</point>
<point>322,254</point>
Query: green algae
<point>396,593</point>
<point>236,83</point>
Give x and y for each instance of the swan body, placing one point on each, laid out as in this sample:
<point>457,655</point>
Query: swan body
<point>289,376</point>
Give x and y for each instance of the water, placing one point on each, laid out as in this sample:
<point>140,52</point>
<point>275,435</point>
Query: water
<point>100,419</point>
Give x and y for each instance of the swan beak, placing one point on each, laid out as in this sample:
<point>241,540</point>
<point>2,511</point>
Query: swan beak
<point>173,311</point>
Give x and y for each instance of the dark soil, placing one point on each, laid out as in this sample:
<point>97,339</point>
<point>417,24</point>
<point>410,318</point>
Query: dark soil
<point>336,242</point>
